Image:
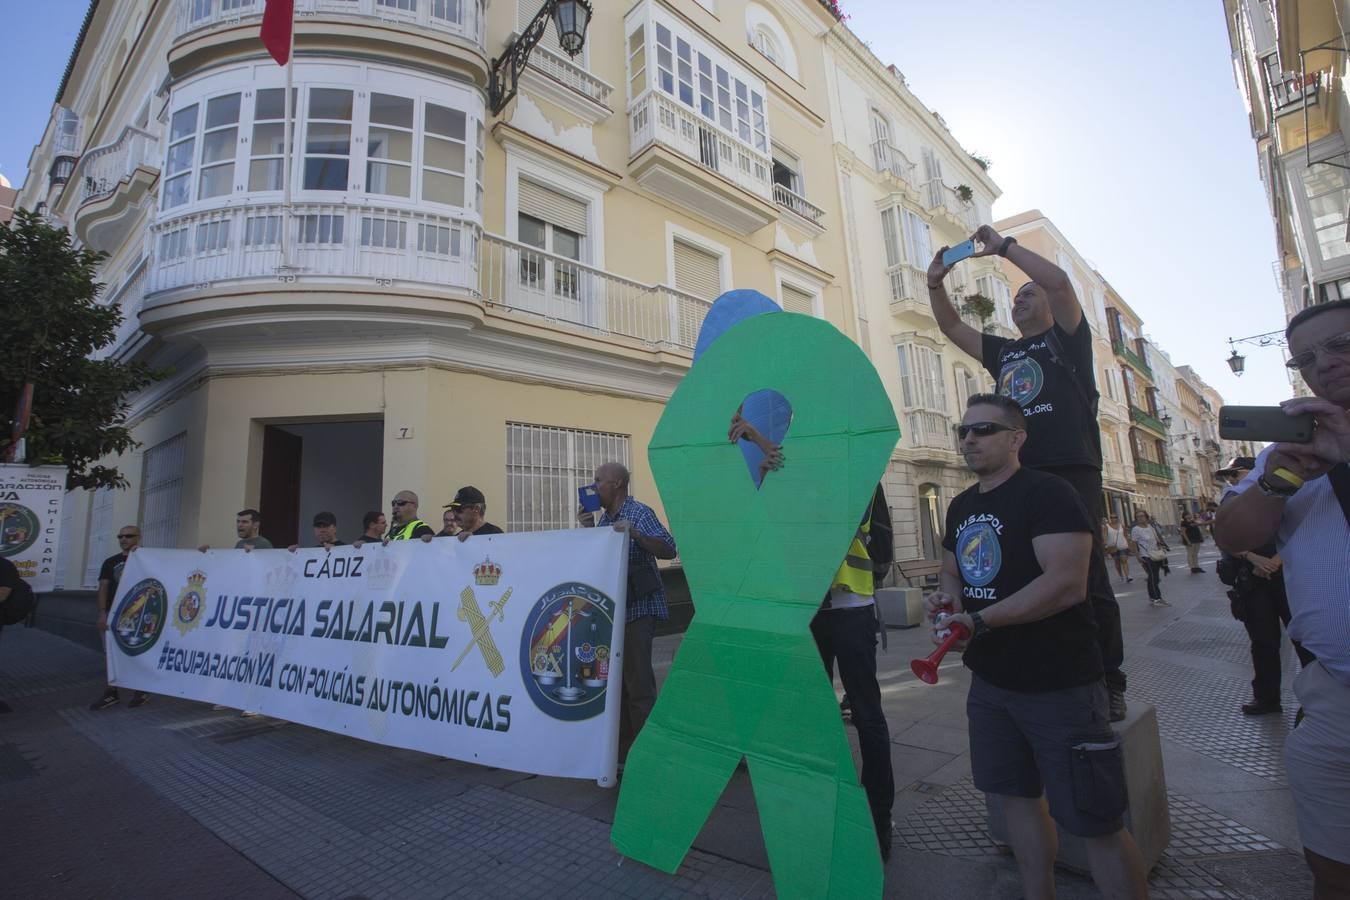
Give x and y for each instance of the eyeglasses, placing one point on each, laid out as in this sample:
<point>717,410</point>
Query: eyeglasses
<point>982,429</point>
<point>1337,345</point>
<point>400,502</point>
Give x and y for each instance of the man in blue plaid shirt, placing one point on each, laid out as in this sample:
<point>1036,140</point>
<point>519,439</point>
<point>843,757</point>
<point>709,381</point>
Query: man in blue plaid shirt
<point>648,541</point>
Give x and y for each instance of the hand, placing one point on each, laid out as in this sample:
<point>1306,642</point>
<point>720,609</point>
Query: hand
<point>356,545</point>
<point>989,240</point>
<point>623,526</point>
<point>772,461</point>
<point>1263,566</point>
<point>937,270</point>
<point>204,547</point>
<point>585,518</point>
<point>293,547</point>
<point>461,537</point>
<point>962,619</point>
<point>941,601</point>
<point>426,538</point>
<point>102,620</point>
<point>1330,443</point>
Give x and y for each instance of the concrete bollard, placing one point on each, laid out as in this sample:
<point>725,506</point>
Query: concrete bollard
<point>1146,814</point>
<point>900,607</point>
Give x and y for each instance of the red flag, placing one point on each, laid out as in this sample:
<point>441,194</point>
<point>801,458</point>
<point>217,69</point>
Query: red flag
<point>277,22</point>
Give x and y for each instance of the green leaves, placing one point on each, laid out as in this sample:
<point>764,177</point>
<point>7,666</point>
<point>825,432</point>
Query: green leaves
<point>52,322</point>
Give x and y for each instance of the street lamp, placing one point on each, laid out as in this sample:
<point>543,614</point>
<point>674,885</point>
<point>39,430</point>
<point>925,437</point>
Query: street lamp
<point>570,19</point>
<point>1237,362</point>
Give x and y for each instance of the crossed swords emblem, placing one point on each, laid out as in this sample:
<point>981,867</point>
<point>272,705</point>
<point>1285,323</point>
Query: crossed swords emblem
<point>470,612</point>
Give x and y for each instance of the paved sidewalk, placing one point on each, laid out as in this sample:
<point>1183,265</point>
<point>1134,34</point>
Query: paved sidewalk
<point>175,799</point>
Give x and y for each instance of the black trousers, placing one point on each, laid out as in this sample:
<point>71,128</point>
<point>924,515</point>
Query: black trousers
<point>1087,481</point>
<point>848,637</point>
<point>1267,606</point>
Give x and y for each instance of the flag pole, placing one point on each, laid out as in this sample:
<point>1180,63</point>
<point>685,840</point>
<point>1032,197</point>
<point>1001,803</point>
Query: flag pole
<point>288,135</point>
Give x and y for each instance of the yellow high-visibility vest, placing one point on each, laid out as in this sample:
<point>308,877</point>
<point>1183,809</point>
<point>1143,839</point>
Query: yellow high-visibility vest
<point>855,575</point>
<point>406,532</point>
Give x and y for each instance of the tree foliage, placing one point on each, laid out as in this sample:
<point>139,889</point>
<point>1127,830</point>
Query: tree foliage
<point>52,324</point>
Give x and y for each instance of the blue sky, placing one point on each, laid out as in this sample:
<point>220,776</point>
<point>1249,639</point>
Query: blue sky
<point>1120,121</point>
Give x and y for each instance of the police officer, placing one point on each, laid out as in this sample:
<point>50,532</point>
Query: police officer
<point>405,525</point>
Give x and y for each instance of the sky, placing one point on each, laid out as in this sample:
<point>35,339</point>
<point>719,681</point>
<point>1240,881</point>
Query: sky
<point>1121,122</point>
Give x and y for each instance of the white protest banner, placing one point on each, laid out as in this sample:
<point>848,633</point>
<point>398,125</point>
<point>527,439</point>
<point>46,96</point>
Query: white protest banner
<point>504,650</point>
<point>30,521</point>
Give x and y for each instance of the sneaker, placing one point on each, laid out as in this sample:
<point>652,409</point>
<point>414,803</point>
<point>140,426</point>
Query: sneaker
<point>1162,602</point>
<point>108,699</point>
<point>1116,703</point>
<point>1196,570</point>
<point>1261,709</point>
<point>138,699</point>
<point>1128,579</point>
<point>1157,603</point>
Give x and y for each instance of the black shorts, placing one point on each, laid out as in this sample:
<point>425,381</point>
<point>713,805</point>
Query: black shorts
<point>1059,743</point>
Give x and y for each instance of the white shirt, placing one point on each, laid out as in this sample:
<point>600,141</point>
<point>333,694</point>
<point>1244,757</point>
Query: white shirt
<point>1314,543</point>
<point>1146,538</point>
<point>1114,539</point>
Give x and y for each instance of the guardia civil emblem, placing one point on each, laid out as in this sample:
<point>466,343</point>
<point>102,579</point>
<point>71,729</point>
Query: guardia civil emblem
<point>486,574</point>
<point>565,651</point>
<point>187,612</point>
<point>140,616</point>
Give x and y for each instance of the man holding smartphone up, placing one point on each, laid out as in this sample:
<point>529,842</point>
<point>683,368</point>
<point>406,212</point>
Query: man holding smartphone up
<point>1049,373</point>
<point>1299,495</point>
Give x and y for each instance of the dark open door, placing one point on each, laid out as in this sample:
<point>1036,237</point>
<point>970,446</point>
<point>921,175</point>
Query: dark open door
<point>280,500</point>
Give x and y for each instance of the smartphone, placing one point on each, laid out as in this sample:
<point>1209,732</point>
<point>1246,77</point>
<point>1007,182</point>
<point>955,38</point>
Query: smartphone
<point>589,498</point>
<point>1264,423</point>
<point>954,255</point>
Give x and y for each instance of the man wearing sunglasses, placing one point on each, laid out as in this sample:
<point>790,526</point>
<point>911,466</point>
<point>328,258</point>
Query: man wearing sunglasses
<point>1048,372</point>
<point>1014,575</point>
<point>109,576</point>
<point>405,525</point>
<point>1299,496</point>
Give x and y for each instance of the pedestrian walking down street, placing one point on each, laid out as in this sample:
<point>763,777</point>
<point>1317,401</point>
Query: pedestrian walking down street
<point>1049,372</point>
<point>1152,550</point>
<point>1192,536</point>
<point>1116,544</point>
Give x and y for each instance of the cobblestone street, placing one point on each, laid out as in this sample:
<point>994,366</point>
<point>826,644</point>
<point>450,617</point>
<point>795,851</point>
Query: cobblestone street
<point>175,799</point>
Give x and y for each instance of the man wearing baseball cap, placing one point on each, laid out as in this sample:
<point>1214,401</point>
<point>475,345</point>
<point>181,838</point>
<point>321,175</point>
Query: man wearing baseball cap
<point>471,506</point>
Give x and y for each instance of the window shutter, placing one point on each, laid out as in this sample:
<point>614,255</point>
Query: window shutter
<point>797,301</point>
<point>552,207</point>
<point>890,236</point>
<point>697,272</point>
<point>906,376</point>
<point>525,13</point>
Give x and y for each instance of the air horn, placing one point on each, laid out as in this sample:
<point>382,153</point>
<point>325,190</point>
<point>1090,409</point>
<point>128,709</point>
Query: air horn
<point>926,669</point>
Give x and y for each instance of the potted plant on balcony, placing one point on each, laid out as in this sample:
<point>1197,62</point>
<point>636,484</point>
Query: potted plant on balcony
<point>979,306</point>
<point>964,192</point>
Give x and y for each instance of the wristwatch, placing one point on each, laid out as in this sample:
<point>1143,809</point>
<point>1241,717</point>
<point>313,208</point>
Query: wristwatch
<point>1270,489</point>
<point>980,628</point>
<point>1007,242</point>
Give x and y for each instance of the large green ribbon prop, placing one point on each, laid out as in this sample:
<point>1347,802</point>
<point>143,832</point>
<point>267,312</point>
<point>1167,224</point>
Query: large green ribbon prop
<point>748,679</point>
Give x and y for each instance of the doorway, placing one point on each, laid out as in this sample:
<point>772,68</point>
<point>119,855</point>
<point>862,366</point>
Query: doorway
<point>309,467</point>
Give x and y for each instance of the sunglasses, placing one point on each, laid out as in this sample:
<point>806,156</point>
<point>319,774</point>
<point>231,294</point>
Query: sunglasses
<point>400,502</point>
<point>127,537</point>
<point>982,429</point>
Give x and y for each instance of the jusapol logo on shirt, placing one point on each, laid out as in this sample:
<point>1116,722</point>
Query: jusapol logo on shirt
<point>978,552</point>
<point>1021,380</point>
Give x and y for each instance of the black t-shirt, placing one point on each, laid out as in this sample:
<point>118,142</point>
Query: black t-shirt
<point>9,575</point>
<point>1059,404</point>
<point>488,528</point>
<point>990,535</point>
<point>1194,534</point>
<point>111,572</point>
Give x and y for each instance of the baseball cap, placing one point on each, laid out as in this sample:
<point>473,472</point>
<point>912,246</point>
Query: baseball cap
<point>324,518</point>
<point>467,496</point>
<point>1246,463</point>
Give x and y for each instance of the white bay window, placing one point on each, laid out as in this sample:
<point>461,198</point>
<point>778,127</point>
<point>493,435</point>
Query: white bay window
<point>923,394</point>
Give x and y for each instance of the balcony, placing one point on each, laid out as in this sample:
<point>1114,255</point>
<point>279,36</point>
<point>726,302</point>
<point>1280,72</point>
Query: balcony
<point>567,85</point>
<point>1147,420</point>
<point>112,183</point>
<point>1149,469</point>
<point>943,199</point>
<point>930,436</point>
<point>1135,361</point>
<point>237,252</point>
<point>909,291</point>
<point>524,279</point>
<point>1291,91</point>
<point>890,161</point>
<point>415,32</point>
<point>806,211</point>
<point>128,298</point>
<point>688,161</point>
